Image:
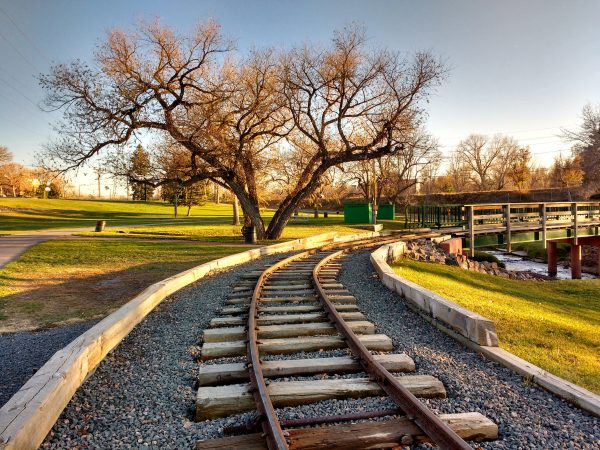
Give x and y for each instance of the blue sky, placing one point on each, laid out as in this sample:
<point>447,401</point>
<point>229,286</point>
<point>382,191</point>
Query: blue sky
<point>525,68</point>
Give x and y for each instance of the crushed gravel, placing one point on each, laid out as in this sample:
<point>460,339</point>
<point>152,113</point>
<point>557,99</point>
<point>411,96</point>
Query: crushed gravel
<point>528,416</point>
<point>22,354</point>
<point>142,395</point>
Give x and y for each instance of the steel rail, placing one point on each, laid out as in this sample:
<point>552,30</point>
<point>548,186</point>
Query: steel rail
<point>271,426</point>
<point>432,426</point>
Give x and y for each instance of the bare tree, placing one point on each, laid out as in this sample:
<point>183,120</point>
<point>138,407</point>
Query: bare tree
<point>472,153</point>
<point>586,143</point>
<point>484,160</point>
<point>5,155</point>
<point>230,116</point>
<point>458,173</point>
<point>393,176</point>
<point>503,150</point>
<point>349,105</point>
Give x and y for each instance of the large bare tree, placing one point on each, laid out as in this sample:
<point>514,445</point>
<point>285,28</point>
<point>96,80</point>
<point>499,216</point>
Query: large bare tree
<point>486,161</point>
<point>586,143</point>
<point>231,116</point>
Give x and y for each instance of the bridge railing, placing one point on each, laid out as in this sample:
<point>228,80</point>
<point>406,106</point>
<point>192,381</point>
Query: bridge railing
<point>434,216</point>
<point>507,218</point>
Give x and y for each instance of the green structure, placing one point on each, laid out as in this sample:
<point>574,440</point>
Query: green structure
<point>358,213</point>
<point>386,212</point>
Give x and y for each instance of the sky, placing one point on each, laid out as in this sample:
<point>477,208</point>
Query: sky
<point>517,67</point>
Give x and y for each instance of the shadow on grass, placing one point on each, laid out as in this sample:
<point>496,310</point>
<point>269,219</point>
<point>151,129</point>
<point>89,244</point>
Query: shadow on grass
<point>51,304</point>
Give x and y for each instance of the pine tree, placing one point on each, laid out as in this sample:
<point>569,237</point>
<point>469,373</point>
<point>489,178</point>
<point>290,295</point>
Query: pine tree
<point>140,168</point>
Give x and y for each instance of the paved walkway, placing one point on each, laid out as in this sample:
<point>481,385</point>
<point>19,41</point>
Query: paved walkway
<point>14,245</point>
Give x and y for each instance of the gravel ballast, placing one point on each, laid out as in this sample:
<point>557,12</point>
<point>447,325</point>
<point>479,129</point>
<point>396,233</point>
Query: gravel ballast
<point>528,416</point>
<point>142,395</point>
<point>22,354</point>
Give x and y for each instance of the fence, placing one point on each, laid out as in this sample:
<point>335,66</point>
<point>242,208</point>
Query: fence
<point>434,216</point>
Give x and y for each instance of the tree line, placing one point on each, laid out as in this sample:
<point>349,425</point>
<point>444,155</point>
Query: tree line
<point>17,180</point>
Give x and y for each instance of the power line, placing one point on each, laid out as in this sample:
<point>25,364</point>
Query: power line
<point>35,47</point>
<point>20,92</point>
<point>19,52</point>
<point>20,125</point>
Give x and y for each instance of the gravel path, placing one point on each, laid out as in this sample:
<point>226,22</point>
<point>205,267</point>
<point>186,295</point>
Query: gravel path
<point>528,416</point>
<point>22,354</point>
<point>142,395</point>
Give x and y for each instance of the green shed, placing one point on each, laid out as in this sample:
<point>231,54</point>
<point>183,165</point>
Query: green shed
<point>358,213</point>
<point>386,212</point>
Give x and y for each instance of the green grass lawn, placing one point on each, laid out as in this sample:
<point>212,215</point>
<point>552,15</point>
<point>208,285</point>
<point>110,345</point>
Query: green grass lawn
<point>28,214</point>
<point>63,281</point>
<point>554,325</point>
<point>210,221</point>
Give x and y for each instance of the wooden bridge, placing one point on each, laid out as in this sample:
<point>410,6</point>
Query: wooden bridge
<point>575,223</point>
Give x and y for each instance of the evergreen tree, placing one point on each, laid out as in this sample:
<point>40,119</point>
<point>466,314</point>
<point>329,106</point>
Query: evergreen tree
<point>140,169</point>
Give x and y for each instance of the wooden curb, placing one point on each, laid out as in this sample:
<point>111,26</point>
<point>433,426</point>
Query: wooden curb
<point>29,415</point>
<point>577,395</point>
<point>467,323</point>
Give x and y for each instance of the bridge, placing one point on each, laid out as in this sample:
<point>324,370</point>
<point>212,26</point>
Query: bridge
<point>575,223</point>
<point>505,224</point>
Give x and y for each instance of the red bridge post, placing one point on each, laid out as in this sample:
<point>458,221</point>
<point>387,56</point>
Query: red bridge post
<point>551,249</point>
<point>575,261</point>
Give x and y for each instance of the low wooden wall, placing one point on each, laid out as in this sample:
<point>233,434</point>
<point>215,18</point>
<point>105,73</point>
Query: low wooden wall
<point>32,411</point>
<point>467,323</point>
<point>473,330</point>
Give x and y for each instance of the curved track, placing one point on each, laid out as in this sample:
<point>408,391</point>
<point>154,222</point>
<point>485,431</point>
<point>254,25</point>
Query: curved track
<point>298,305</point>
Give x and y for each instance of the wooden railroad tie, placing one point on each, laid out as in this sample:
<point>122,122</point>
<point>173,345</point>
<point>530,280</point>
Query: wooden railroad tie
<point>389,433</point>
<point>291,319</point>
<point>221,401</point>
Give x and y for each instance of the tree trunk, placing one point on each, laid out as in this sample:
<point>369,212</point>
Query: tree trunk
<point>175,205</point>
<point>251,211</point>
<point>291,203</point>
<point>189,210</point>
<point>236,211</point>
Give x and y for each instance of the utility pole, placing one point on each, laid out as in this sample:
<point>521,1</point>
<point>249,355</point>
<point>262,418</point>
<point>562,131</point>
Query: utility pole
<point>99,173</point>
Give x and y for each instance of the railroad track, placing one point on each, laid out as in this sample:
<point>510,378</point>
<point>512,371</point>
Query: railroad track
<point>298,305</point>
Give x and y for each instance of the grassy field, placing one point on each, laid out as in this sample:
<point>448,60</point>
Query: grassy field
<point>62,281</point>
<point>59,282</point>
<point>209,222</point>
<point>28,214</point>
<point>555,325</point>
